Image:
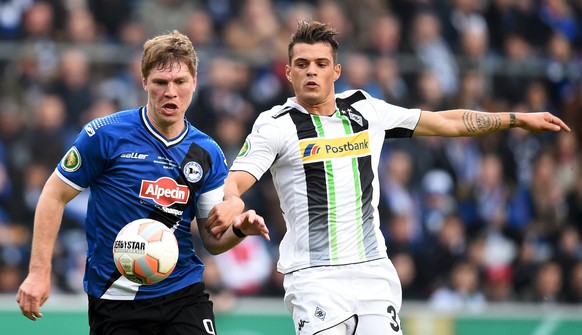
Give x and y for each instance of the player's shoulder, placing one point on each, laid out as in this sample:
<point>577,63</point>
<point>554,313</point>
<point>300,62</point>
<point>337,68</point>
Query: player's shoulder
<point>350,97</point>
<point>275,113</point>
<point>114,124</point>
<point>195,135</point>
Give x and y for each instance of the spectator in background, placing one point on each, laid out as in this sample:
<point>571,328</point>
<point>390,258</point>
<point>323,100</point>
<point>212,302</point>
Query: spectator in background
<point>254,32</point>
<point>561,73</point>
<point>245,268</point>
<point>109,17</point>
<point>358,74</point>
<point>160,16</point>
<point>442,252</point>
<point>547,286</point>
<point>392,84</point>
<point>386,33</point>
<point>461,293</point>
<point>463,16</point>
<point>11,15</point>
<point>558,16</point>
<point>81,28</point>
<point>509,82</point>
<point>573,292</point>
<point>74,85</point>
<point>124,87</point>
<point>548,198</point>
<point>498,285</point>
<point>433,51</point>
<point>568,161</point>
<point>225,94</point>
<point>574,204</point>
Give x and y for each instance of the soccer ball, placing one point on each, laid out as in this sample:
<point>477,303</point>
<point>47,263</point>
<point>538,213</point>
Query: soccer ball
<point>145,251</point>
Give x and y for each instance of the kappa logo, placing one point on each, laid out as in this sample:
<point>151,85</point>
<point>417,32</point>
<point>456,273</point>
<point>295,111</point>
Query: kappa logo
<point>301,325</point>
<point>164,191</point>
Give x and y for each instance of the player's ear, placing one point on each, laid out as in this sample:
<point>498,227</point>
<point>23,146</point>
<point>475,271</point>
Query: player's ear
<point>288,72</point>
<point>143,83</point>
<point>337,71</point>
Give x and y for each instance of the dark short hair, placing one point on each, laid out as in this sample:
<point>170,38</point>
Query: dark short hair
<point>313,32</point>
<point>166,50</point>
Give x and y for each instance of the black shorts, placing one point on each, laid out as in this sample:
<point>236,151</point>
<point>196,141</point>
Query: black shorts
<point>184,312</point>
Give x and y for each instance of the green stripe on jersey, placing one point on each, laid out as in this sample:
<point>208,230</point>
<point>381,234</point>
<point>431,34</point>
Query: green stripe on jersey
<point>358,191</point>
<point>332,203</point>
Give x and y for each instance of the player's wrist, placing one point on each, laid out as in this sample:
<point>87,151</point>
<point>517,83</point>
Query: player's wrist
<point>512,120</point>
<point>238,232</point>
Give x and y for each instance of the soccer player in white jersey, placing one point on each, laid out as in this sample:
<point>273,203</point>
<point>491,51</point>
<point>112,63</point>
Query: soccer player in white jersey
<point>323,151</point>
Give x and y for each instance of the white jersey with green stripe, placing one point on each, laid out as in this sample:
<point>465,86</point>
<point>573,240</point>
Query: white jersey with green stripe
<point>324,169</point>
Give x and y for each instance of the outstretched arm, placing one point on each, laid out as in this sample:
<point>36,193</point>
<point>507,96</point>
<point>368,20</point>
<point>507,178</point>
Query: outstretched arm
<point>35,289</point>
<point>247,223</point>
<point>465,122</point>
<point>221,216</point>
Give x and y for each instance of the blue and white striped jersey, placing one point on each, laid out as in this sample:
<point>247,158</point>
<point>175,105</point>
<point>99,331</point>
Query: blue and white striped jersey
<point>133,172</point>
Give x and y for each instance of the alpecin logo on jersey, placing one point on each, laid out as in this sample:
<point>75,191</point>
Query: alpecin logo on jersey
<point>164,191</point>
<point>319,149</point>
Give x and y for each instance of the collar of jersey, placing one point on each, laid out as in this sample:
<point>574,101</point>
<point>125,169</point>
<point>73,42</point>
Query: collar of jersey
<point>293,103</point>
<point>150,127</point>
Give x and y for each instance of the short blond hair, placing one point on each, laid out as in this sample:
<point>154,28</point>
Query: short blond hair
<point>163,51</point>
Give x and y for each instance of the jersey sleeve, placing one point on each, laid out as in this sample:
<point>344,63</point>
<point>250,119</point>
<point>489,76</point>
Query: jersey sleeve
<point>212,191</point>
<point>393,117</point>
<point>260,148</point>
<point>86,159</point>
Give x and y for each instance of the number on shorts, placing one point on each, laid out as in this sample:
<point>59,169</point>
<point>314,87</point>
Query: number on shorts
<point>209,326</point>
<point>392,311</point>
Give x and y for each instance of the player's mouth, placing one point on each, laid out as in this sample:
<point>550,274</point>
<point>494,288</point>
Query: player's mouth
<point>170,107</point>
<point>311,84</point>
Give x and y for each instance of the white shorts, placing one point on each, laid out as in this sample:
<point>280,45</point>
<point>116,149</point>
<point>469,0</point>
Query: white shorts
<point>321,297</point>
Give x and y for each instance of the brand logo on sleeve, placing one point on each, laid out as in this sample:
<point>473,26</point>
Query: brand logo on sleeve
<point>319,149</point>
<point>164,191</point>
<point>72,160</point>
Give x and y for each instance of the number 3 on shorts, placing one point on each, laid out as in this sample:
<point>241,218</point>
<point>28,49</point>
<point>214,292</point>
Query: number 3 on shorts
<point>392,311</point>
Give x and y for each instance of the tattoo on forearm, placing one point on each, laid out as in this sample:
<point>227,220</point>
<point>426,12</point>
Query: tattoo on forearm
<point>478,123</point>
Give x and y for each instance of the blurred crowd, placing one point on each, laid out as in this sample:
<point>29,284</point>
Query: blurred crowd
<point>467,221</point>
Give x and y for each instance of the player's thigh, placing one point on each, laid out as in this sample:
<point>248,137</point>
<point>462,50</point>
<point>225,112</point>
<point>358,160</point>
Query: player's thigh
<point>379,325</point>
<point>189,312</point>
<point>340,329</point>
<point>194,319</point>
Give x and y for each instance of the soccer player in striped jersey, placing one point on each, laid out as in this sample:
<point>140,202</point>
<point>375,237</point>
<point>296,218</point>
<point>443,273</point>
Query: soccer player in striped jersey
<point>147,162</point>
<point>323,151</point>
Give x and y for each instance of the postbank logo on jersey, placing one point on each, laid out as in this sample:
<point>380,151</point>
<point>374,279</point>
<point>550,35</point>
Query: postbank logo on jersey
<point>319,149</point>
<point>164,191</point>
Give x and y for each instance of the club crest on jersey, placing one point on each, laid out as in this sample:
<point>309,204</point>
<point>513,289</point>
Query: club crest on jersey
<point>193,172</point>
<point>164,191</point>
<point>245,149</point>
<point>72,160</point>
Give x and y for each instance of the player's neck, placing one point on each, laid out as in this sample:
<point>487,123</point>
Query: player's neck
<point>326,108</point>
